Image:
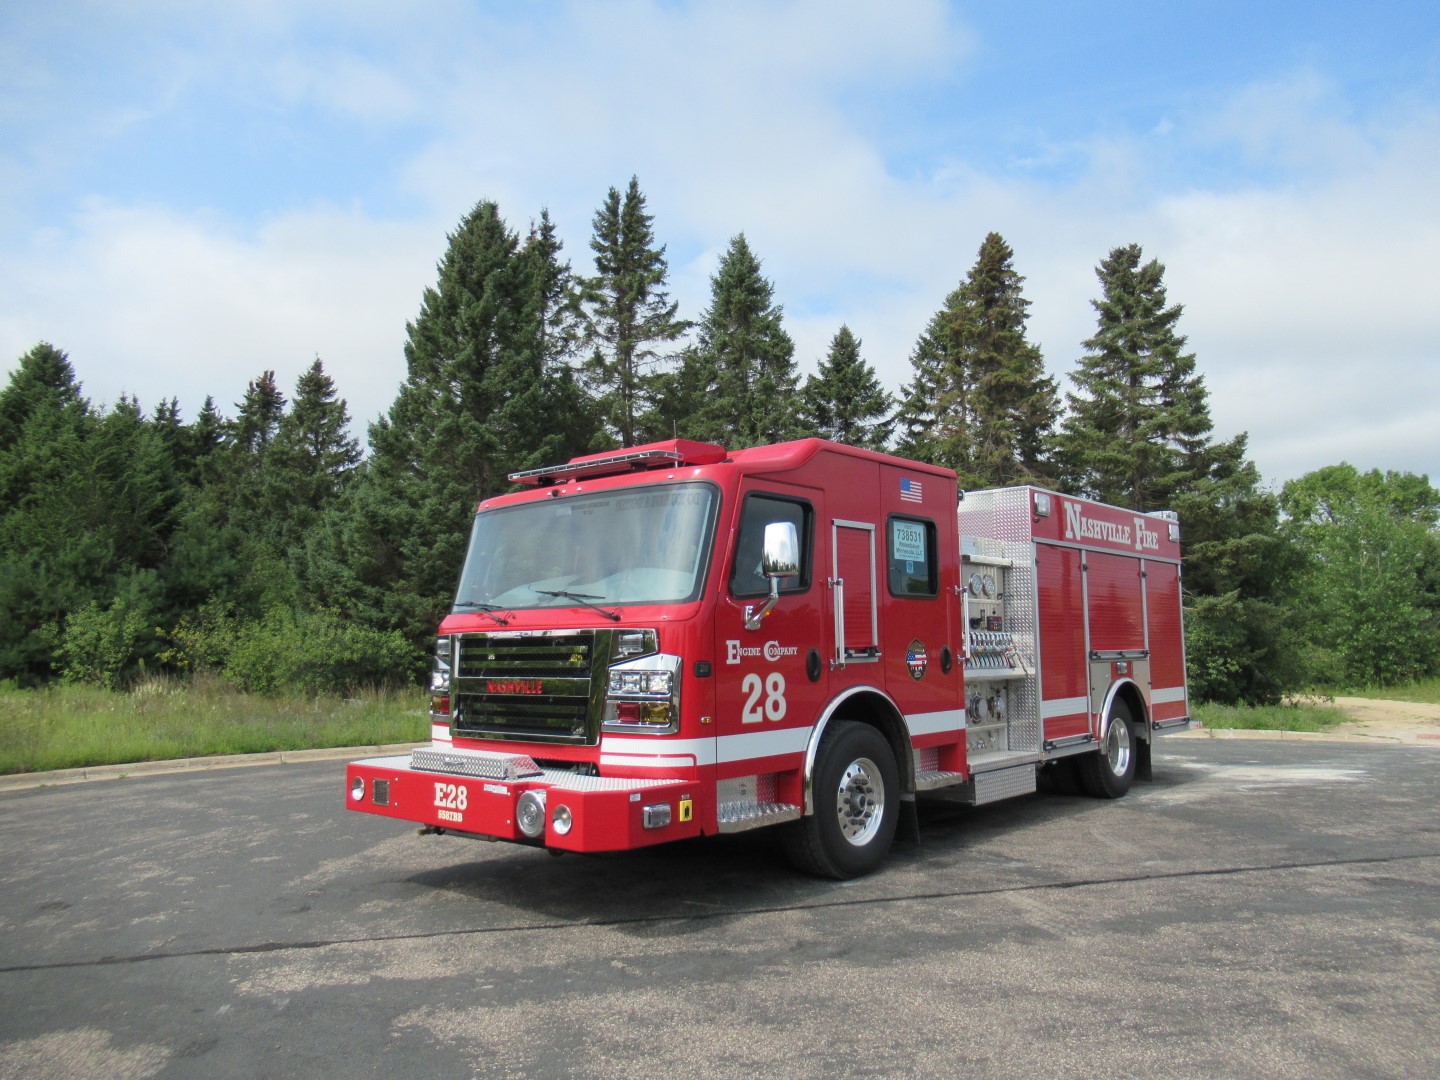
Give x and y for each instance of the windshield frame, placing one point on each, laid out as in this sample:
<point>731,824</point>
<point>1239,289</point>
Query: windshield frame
<point>470,598</point>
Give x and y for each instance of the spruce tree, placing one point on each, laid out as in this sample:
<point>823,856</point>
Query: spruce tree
<point>844,401</point>
<point>87,515</point>
<point>42,381</point>
<point>979,400</point>
<point>483,396</point>
<point>1139,420</point>
<point>203,440</point>
<point>547,415</point>
<point>1139,434</point>
<point>48,564</point>
<point>312,459</point>
<point>630,319</point>
<point>257,418</point>
<point>744,358</point>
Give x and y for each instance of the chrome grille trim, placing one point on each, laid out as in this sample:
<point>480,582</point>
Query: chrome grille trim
<point>530,685</point>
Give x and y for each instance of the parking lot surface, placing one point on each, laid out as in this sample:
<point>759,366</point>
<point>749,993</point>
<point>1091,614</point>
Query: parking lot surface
<point>1262,908</point>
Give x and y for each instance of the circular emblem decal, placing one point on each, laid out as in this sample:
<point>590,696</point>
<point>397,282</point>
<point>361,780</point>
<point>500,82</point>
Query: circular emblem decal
<point>916,660</point>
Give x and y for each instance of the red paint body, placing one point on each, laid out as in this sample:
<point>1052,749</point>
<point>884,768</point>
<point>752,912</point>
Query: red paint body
<point>874,629</point>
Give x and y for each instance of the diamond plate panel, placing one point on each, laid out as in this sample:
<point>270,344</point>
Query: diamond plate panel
<point>474,763</point>
<point>1004,784</point>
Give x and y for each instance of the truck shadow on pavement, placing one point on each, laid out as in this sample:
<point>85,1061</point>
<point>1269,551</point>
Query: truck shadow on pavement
<point>685,887</point>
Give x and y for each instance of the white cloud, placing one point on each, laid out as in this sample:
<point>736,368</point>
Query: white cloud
<point>158,304</point>
<point>1309,286</point>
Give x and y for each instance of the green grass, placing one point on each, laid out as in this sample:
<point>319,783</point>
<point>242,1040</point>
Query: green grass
<point>1427,691</point>
<point>71,726</point>
<point>1298,717</point>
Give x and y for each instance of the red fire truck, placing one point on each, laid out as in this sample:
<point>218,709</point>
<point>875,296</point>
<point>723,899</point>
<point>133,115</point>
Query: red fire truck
<point>677,640</point>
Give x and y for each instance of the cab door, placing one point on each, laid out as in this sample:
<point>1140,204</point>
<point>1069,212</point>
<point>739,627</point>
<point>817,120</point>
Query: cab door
<point>772,681</point>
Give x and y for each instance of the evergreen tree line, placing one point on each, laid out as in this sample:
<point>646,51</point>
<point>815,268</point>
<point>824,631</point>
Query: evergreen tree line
<point>266,548</point>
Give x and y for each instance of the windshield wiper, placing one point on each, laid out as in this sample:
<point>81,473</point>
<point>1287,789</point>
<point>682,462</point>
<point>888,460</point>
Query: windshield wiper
<point>484,609</point>
<point>584,598</point>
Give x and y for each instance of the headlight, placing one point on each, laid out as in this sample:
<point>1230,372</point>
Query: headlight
<point>560,820</point>
<point>357,788</point>
<point>641,683</point>
<point>644,694</point>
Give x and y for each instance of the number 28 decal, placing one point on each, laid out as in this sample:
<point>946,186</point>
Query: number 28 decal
<point>773,692</point>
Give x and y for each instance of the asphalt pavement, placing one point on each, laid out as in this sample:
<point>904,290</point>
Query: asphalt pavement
<point>1262,908</point>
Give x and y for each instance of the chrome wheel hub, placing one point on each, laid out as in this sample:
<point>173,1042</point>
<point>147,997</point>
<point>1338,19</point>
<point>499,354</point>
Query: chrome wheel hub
<point>1117,746</point>
<point>860,801</point>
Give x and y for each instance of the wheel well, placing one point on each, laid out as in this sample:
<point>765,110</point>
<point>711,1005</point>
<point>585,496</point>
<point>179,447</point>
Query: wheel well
<point>881,714</point>
<point>1130,694</point>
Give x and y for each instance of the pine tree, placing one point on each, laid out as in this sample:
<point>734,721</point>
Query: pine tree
<point>1139,422</point>
<point>311,460</point>
<point>477,403</point>
<point>744,359</point>
<point>258,417</point>
<point>629,316</point>
<point>552,297</point>
<point>87,515</point>
<point>547,414</point>
<point>203,442</point>
<point>314,453</point>
<point>47,563</point>
<point>979,401</point>
<point>43,381</point>
<point>844,401</point>
<point>1139,434</point>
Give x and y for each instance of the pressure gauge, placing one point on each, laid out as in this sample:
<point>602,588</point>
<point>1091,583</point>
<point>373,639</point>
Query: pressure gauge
<point>976,585</point>
<point>987,586</point>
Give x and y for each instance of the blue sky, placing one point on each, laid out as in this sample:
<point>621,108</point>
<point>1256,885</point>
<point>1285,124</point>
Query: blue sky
<point>191,193</point>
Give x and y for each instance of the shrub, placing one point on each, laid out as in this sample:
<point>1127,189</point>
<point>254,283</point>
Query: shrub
<point>104,646</point>
<point>317,652</point>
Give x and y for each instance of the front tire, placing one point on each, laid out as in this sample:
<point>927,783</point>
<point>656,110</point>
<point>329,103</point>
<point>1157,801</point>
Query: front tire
<point>857,804</point>
<point>1109,772</point>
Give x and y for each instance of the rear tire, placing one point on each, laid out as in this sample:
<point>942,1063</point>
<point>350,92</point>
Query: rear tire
<point>857,805</point>
<point>1109,771</point>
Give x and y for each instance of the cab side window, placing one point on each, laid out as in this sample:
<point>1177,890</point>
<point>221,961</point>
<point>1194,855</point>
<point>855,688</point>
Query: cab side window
<point>910,546</point>
<point>747,577</point>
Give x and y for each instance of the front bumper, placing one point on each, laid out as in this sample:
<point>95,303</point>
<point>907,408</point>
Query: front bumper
<point>461,792</point>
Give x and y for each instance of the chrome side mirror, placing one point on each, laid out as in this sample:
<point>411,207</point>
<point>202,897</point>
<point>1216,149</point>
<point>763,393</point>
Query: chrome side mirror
<point>779,559</point>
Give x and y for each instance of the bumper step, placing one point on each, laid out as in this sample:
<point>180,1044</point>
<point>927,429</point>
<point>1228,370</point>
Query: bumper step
<point>733,817</point>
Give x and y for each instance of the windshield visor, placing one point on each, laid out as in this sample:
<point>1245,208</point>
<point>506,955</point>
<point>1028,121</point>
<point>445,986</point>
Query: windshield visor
<point>637,546</point>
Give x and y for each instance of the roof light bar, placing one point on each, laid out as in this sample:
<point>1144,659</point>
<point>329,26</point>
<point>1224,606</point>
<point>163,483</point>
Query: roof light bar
<point>677,452</point>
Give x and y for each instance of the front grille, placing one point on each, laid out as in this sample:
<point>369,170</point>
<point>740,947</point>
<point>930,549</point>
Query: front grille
<point>542,686</point>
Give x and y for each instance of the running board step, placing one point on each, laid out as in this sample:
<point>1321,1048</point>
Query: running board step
<point>929,781</point>
<point>733,817</point>
<point>991,786</point>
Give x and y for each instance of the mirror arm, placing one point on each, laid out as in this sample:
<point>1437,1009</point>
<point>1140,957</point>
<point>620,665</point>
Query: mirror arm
<point>752,616</point>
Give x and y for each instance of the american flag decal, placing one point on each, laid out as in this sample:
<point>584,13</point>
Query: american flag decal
<point>910,490</point>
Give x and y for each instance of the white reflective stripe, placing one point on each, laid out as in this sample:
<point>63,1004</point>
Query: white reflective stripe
<point>1168,695</point>
<point>929,723</point>
<point>665,752</point>
<point>667,762</point>
<point>1064,707</point>
<point>440,733</point>
<point>758,744</point>
<point>660,749</point>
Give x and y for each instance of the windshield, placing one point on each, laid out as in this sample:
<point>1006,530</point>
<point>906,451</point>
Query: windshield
<point>636,546</point>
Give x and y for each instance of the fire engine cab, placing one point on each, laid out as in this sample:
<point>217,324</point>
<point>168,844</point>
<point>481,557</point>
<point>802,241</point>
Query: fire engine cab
<point>677,640</point>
